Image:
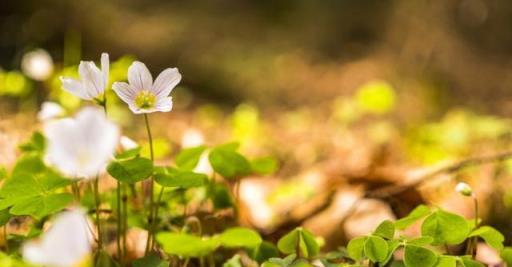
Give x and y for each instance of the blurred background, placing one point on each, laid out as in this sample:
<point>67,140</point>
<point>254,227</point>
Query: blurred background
<point>346,95</point>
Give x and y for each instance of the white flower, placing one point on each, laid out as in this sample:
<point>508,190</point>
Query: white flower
<point>127,143</point>
<point>37,64</point>
<point>50,110</point>
<point>464,189</point>
<point>93,81</point>
<point>144,96</point>
<point>67,243</point>
<point>80,147</point>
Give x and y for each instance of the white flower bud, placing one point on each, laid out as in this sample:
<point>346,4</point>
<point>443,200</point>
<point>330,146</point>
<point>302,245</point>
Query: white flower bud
<point>464,189</point>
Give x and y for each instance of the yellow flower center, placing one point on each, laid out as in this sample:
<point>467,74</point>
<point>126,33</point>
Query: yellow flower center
<point>145,99</point>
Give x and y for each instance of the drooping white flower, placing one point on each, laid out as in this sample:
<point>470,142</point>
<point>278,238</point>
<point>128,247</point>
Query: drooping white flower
<point>464,189</point>
<point>50,110</point>
<point>142,94</point>
<point>67,242</point>
<point>93,81</point>
<point>80,147</point>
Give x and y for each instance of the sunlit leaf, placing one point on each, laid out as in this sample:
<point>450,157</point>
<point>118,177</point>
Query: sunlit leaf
<point>264,166</point>
<point>445,228</point>
<point>415,256</point>
<point>186,245</point>
<point>376,249</point>
<point>229,163</point>
<point>491,236</point>
<point>386,229</point>
<point>132,170</point>
<point>188,158</point>
<point>418,213</point>
<point>171,177</point>
<point>299,240</point>
<point>240,237</point>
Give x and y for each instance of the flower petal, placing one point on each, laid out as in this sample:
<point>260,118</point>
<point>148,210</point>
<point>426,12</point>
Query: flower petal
<point>66,243</point>
<point>92,78</point>
<point>75,87</point>
<point>163,104</point>
<point>125,91</point>
<point>166,81</point>
<point>105,67</point>
<point>50,110</point>
<point>139,76</point>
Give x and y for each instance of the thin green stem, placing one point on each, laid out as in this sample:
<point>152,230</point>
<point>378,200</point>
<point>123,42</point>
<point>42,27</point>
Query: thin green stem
<point>6,239</point>
<point>155,215</point>
<point>98,202</point>
<point>119,219</point>
<point>475,239</point>
<point>151,185</point>
<point>125,218</point>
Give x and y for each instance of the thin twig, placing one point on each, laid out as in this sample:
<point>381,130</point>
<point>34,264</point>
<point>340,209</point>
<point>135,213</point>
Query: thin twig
<point>474,161</point>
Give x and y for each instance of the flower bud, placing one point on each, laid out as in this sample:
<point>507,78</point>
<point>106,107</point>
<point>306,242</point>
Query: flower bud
<point>464,189</point>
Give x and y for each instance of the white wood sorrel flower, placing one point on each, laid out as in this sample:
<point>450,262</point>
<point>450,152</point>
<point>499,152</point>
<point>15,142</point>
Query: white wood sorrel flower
<point>67,243</point>
<point>93,81</point>
<point>144,96</point>
<point>81,147</point>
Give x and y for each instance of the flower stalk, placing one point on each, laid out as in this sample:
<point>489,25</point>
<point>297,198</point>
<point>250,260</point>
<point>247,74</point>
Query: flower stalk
<point>151,186</point>
<point>95,189</point>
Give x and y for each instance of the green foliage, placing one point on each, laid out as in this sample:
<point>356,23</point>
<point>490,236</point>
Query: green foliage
<point>233,262</point>
<point>240,237</point>
<point>299,241</point>
<point>151,260</point>
<point>129,154</point>
<point>386,229</point>
<point>417,214</point>
<point>229,163</point>
<point>264,251</point>
<point>131,170</point>
<point>415,256</point>
<point>186,245</point>
<point>355,248</point>
<point>33,189</point>
<point>491,236</point>
<point>37,143</point>
<point>188,158</point>
<point>506,255</point>
<point>264,166</point>
<point>439,228</point>
<point>445,228</point>
<point>171,177</point>
<point>376,249</point>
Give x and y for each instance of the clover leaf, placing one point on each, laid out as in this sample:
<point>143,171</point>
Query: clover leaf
<point>186,245</point>
<point>240,237</point>
<point>445,228</point>
<point>131,170</point>
<point>415,256</point>
<point>171,177</point>
<point>229,163</point>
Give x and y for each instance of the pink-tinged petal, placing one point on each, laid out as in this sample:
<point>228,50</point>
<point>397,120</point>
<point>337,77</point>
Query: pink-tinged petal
<point>164,104</point>
<point>75,87</point>
<point>166,81</point>
<point>92,78</point>
<point>125,91</point>
<point>105,65</point>
<point>139,76</point>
